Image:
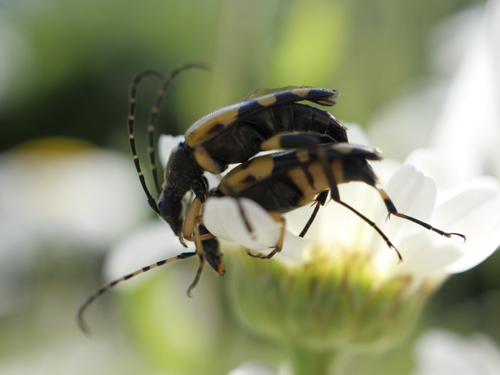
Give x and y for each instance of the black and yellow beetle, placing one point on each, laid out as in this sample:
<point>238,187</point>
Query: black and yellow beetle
<point>282,182</point>
<point>231,135</point>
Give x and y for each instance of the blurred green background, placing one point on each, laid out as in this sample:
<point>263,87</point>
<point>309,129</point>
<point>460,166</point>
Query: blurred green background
<point>65,68</point>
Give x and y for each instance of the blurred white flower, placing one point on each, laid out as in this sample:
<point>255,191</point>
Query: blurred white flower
<point>253,368</point>
<point>86,195</point>
<point>75,357</point>
<point>468,129</point>
<point>441,352</point>
<point>455,113</point>
<point>61,194</point>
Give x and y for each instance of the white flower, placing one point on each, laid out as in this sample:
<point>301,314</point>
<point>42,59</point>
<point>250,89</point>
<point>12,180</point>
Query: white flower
<point>253,368</point>
<point>342,251</point>
<point>474,212</point>
<point>77,357</point>
<point>441,352</point>
<point>457,112</point>
<point>468,128</point>
<point>61,194</point>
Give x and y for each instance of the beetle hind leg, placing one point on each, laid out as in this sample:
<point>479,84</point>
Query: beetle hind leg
<point>318,202</point>
<point>374,226</point>
<point>428,226</point>
<point>392,211</point>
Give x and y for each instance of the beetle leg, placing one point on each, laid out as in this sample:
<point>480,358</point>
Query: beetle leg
<point>277,217</point>
<point>392,210</point>
<point>190,219</point>
<point>201,256</point>
<point>374,226</point>
<point>318,202</point>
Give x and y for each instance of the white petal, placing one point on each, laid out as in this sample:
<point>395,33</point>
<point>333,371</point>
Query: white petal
<point>422,259</point>
<point>90,196</point>
<point>468,132</point>
<point>213,179</point>
<point>223,218</point>
<point>430,163</point>
<point>413,194</point>
<point>166,143</point>
<point>148,244</point>
<point>474,183</point>
<point>338,225</point>
<point>441,352</point>
<point>476,214</point>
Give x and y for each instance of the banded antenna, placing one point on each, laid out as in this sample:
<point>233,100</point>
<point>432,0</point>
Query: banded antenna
<point>165,81</point>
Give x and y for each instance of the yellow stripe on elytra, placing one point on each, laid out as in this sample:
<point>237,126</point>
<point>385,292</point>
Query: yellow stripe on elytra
<point>273,143</point>
<point>202,130</point>
<point>337,169</point>
<point>299,178</point>
<point>267,100</point>
<point>301,91</point>
<point>303,155</point>
<point>257,168</point>
<point>343,148</point>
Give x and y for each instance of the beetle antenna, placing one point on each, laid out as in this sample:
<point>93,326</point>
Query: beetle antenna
<point>154,115</point>
<point>81,322</point>
<point>131,136</point>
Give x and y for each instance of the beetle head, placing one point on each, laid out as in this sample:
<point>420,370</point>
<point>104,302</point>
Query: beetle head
<point>171,211</point>
<point>182,174</point>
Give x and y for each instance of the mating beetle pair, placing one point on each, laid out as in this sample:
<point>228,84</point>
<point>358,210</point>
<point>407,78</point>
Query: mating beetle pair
<point>267,119</point>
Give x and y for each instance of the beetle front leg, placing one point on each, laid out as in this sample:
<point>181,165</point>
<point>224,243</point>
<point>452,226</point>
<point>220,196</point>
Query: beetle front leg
<point>281,239</point>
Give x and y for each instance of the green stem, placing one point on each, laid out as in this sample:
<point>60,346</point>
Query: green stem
<point>312,362</point>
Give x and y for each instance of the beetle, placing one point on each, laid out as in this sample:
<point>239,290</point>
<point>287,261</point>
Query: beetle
<point>232,135</point>
<point>282,182</point>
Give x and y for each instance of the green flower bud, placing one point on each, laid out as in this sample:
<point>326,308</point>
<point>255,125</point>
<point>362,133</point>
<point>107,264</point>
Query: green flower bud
<point>328,303</point>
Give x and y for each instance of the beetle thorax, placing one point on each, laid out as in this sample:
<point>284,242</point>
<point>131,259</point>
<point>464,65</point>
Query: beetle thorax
<point>181,171</point>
